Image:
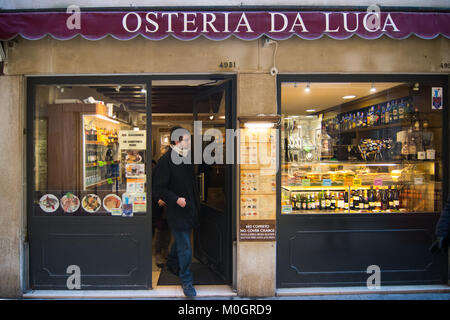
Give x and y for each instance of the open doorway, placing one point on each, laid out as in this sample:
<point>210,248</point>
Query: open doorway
<point>202,106</point>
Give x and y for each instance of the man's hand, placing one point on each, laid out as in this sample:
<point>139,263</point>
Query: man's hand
<point>181,202</point>
<point>161,203</point>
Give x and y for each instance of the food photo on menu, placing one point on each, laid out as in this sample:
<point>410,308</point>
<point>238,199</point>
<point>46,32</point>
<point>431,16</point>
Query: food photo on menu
<point>91,203</point>
<point>112,203</point>
<point>49,203</point>
<point>70,203</point>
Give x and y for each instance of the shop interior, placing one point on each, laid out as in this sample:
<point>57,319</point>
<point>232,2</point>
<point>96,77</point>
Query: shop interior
<point>360,148</point>
<point>90,154</point>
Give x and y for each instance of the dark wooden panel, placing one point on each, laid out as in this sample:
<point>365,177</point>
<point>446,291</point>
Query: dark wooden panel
<point>337,250</point>
<point>110,255</point>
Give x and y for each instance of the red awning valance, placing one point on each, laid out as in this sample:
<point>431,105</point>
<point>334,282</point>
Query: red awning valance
<point>245,25</point>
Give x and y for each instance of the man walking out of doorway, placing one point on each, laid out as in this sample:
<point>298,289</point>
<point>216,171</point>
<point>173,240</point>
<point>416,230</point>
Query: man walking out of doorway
<point>175,184</point>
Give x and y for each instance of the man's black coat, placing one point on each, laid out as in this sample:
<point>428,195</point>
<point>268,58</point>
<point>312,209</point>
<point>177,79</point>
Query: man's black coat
<point>173,181</point>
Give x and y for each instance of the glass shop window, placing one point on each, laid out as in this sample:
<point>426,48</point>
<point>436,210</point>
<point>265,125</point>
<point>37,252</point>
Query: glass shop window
<point>89,150</point>
<point>361,147</point>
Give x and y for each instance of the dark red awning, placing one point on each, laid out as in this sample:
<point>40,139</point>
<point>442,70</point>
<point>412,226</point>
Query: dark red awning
<point>245,25</point>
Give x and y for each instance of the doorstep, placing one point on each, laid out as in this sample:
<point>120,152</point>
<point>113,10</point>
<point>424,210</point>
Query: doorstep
<point>158,292</point>
<point>361,290</point>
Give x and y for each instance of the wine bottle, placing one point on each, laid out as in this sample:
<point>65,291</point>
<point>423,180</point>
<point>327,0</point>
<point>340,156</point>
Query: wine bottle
<point>390,198</point>
<point>361,199</point>
<point>323,205</point>
<point>328,200</point>
<point>371,198</point>
<point>384,200</point>
<point>341,203</point>
<point>356,199</point>
<point>366,201</point>
<point>333,202</point>
<point>377,199</point>
<point>396,198</point>
<point>346,204</point>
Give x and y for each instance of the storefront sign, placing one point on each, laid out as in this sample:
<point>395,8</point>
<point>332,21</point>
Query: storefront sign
<point>132,139</point>
<point>246,25</point>
<point>260,230</point>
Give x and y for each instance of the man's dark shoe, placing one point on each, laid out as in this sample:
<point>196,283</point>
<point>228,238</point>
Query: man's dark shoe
<point>189,290</point>
<point>172,269</point>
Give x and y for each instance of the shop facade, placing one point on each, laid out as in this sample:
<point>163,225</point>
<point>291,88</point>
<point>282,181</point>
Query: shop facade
<point>339,246</point>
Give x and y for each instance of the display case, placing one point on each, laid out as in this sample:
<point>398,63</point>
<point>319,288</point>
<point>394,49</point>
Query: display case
<point>100,150</point>
<point>363,158</point>
<point>360,187</point>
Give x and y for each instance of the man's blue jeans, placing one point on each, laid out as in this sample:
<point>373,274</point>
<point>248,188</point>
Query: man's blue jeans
<point>181,255</point>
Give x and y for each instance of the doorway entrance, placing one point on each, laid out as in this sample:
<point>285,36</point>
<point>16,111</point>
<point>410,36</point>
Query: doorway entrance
<point>202,106</point>
<point>102,228</point>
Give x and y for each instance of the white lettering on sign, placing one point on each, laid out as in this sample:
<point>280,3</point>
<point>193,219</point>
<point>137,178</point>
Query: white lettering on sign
<point>277,22</point>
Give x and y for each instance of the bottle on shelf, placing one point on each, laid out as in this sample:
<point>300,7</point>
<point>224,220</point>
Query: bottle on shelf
<point>361,199</point>
<point>346,203</point>
<point>377,200</point>
<point>309,202</point>
<point>396,198</point>
<point>333,202</point>
<point>387,115</point>
<point>371,198</point>
<point>323,205</point>
<point>294,201</point>
<point>317,202</point>
<point>327,200</point>
<point>395,111</point>
<point>366,201</point>
<point>384,200</point>
<point>304,202</point>
<point>299,203</point>
<point>341,202</point>
<point>390,196</point>
<point>355,199</point>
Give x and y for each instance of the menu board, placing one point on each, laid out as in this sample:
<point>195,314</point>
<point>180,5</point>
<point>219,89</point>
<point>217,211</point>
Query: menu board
<point>257,155</point>
<point>258,182</point>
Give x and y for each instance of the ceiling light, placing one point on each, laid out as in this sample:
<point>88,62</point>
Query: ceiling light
<point>143,90</point>
<point>221,117</point>
<point>308,88</point>
<point>310,116</point>
<point>118,88</point>
<point>136,129</point>
<point>211,117</point>
<point>373,89</point>
<point>416,86</point>
<point>349,97</point>
<point>310,110</point>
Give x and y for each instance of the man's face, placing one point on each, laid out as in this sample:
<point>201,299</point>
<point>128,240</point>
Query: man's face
<point>185,144</point>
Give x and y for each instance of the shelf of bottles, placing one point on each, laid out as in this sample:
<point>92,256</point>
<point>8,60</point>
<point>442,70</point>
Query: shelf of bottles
<point>396,112</point>
<point>363,199</point>
<point>98,160</point>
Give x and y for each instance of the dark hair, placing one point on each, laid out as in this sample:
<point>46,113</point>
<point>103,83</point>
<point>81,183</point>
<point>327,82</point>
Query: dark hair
<point>173,130</point>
